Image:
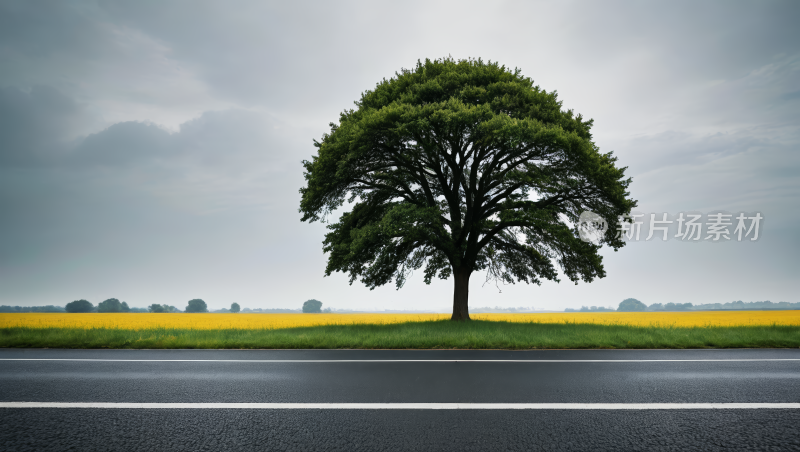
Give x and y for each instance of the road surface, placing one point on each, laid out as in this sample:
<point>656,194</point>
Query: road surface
<point>399,400</point>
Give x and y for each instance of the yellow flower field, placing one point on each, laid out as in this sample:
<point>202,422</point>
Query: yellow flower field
<point>140,321</point>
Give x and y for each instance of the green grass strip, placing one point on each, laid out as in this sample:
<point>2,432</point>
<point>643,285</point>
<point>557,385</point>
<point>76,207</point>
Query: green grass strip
<point>442,334</point>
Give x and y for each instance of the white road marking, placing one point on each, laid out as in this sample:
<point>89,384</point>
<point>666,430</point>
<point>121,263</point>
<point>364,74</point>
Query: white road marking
<point>408,360</point>
<point>409,406</point>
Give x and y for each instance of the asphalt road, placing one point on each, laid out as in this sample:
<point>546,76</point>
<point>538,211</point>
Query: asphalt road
<point>399,377</point>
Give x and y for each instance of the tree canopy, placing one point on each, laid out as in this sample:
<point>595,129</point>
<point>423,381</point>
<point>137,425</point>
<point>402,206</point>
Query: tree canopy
<point>312,306</point>
<point>631,305</point>
<point>235,307</point>
<point>457,167</point>
<point>79,306</point>
<point>110,305</point>
<point>196,305</point>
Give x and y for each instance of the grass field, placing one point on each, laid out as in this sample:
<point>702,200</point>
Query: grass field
<point>496,331</point>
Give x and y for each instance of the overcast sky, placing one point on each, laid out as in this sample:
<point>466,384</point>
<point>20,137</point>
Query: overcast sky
<point>150,151</point>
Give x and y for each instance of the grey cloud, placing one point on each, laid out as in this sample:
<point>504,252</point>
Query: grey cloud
<point>311,60</point>
<point>219,139</point>
<point>759,99</point>
<point>121,72</point>
<point>677,171</point>
<point>680,40</point>
<point>217,161</point>
<point>38,127</point>
<point>35,125</point>
<point>268,36</point>
<point>216,138</point>
<point>122,144</point>
<point>46,28</point>
<point>135,203</point>
<point>682,149</point>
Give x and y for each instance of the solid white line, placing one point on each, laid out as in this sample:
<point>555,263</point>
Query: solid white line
<point>407,360</point>
<point>409,406</point>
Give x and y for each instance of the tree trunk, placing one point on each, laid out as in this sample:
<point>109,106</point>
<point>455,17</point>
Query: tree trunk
<point>460,294</point>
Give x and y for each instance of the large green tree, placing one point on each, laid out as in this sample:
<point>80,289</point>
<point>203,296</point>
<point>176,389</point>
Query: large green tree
<point>462,166</point>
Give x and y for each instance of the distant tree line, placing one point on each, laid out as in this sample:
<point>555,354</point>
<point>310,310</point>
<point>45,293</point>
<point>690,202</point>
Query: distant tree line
<point>670,307</point>
<point>750,306</point>
<point>590,309</point>
<point>314,306</point>
<point>48,308</point>
<point>160,308</point>
<point>271,311</point>
<point>114,305</point>
<point>498,309</point>
<point>634,305</point>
